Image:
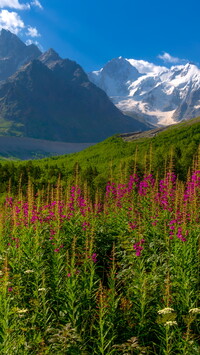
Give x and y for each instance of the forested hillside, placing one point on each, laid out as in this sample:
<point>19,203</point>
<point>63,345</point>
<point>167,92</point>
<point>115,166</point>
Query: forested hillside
<point>112,157</point>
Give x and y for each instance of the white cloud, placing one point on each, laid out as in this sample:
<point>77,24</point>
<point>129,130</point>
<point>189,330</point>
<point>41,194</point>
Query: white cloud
<point>167,58</point>
<point>11,21</point>
<point>14,4</point>
<point>37,4</point>
<point>30,41</point>
<point>32,32</point>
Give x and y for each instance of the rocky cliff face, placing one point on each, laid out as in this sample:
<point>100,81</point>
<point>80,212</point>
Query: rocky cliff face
<point>14,53</point>
<point>52,98</point>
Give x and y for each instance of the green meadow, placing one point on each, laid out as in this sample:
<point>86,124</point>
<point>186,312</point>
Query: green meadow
<point>99,250</point>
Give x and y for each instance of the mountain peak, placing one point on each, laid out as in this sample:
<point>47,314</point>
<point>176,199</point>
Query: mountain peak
<point>6,33</point>
<point>114,77</point>
<point>49,57</point>
<point>118,59</point>
<point>51,53</point>
<point>33,69</point>
<point>155,93</point>
<point>60,104</point>
<point>9,44</point>
<point>14,53</point>
<point>190,69</point>
<point>121,67</point>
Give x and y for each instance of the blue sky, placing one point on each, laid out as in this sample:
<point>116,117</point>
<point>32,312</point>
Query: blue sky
<point>95,31</point>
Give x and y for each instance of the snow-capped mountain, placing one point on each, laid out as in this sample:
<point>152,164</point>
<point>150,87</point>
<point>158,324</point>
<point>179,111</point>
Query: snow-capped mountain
<point>156,94</point>
<point>43,96</point>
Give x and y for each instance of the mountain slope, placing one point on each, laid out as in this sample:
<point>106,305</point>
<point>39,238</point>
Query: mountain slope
<point>157,94</point>
<point>114,157</point>
<point>52,98</point>
<point>14,53</point>
<point>156,149</point>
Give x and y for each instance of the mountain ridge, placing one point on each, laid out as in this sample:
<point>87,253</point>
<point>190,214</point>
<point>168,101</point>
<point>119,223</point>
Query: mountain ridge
<point>159,95</point>
<point>52,98</point>
<point>14,53</point>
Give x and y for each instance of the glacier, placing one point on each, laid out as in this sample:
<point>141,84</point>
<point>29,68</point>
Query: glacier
<point>154,94</point>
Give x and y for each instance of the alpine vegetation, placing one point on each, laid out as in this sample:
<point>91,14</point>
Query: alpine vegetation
<point>114,274</point>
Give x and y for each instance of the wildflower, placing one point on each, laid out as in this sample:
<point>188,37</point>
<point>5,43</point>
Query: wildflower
<point>85,225</point>
<point>94,257</point>
<point>28,271</point>
<point>166,310</point>
<point>180,236</point>
<point>69,275</point>
<point>194,310</point>
<point>132,225</point>
<point>10,289</point>
<point>154,223</point>
<point>170,323</point>
<point>24,310</point>
<point>41,289</point>
<point>138,248</point>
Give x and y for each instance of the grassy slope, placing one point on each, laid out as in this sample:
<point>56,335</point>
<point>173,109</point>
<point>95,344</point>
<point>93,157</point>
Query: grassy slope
<point>181,140</point>
<point>112,157</point>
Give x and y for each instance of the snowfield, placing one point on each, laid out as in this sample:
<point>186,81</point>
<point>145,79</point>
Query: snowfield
<point>156,94</point>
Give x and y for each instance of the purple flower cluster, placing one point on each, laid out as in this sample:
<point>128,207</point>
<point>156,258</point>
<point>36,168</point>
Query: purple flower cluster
<point>138,247</point>
<point>176,229</point>
<point>193,185</point>
<point>166,194</point>
<point>146,184</point>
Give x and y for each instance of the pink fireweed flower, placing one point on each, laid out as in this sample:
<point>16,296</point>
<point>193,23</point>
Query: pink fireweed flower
<point>94,257</point>
<point>154,223</point>
<point>167,189</point>
<point>9,201</point>
<point>180,235</point>
<point>132,225</point>
<point>111,189</point>
<point>146,184</point>
<point>192,186</point>
<point>133,182</point>
<point>138,247</point>
<point>85,225</point>
<point>138,252</point>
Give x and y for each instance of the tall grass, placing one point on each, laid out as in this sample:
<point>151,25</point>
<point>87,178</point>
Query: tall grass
<point>119,275</point>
